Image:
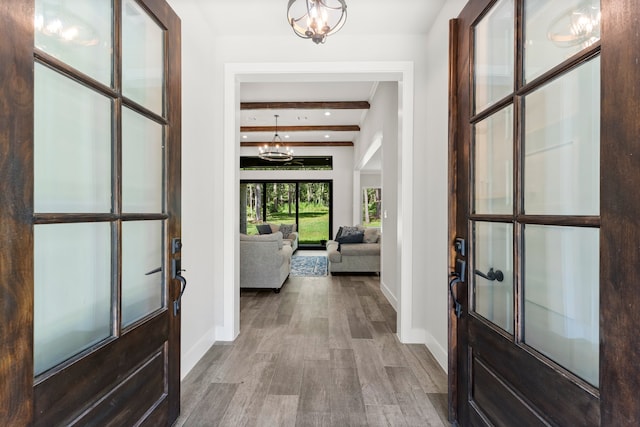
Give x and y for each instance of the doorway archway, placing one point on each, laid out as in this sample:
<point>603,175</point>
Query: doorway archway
<point>237,73</point>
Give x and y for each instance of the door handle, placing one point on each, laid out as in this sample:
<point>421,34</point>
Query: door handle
<point>176,270</point>
<point>491,275</point>
<point>457,307</point>
<point>183,286</point>
<point>457,276</point>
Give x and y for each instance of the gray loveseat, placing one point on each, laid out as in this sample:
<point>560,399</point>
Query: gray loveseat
<point>356,257</point>
<point>265,261</point>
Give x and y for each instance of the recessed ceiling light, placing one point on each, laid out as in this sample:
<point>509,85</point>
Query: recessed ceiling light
<point>244,136</point>
<point>286,137</point>
<point>327,113</point>
<point>327,136</point>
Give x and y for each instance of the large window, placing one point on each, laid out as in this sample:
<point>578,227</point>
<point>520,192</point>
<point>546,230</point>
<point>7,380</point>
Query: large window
<point>305,203</point>
<point>372,207</point>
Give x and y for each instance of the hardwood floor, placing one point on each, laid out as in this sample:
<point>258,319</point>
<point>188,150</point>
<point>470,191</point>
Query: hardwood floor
<point>322,352</point>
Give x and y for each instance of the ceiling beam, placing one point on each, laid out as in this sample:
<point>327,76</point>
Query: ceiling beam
<point>328,128</point>
<point>302,144</point>
<point>336,105</point>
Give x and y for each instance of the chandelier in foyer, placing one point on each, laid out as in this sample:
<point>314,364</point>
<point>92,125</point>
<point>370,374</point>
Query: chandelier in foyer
<point>316,19</point>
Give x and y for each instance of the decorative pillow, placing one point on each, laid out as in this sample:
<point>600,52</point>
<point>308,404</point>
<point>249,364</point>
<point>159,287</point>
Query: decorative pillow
<point>338,234</point>
<point>371,235</point>
<point>346,231</point>
<point>351,238</point>
<point>264,228</point>
<point>286,229</point>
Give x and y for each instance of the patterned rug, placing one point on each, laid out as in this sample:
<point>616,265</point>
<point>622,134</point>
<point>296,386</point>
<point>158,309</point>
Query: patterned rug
<point>308,266</point>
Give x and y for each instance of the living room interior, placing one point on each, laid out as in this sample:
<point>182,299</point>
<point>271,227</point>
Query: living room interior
<point>344,120</point>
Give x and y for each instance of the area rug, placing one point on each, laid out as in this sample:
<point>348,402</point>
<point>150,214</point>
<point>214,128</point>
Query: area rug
<point>308,266</point>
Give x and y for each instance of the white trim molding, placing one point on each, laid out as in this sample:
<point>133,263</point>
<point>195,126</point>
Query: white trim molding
<point>237,73</point>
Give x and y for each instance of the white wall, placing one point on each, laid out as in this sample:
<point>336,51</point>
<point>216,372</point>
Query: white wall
<point>201,183</point>
<point>204,59</point>
<point>430,187</point>
<point>370,180</point>
<point>342,176</point>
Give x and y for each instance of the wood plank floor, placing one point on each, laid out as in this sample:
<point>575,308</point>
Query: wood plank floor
<point>322,352</point>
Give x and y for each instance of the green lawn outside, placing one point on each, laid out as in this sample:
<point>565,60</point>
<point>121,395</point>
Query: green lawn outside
<point>313,227</point>
<point>376,223</point>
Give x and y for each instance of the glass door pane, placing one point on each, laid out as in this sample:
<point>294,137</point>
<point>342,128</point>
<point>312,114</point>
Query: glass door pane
<point>493,55</point>
<point>141,259</point>
<point>562,144</point>
<point>142,164</point>
<point>561,296</point>
<point>281,203</point>
<point>72,154</point>
<point>253,200</point>
<point>72,301</point>
<point>493,161</point>
<point>79,33</point>
<point>493,273</point>
<point>142,58</point>
<point>314,212</point>
<point>553,34</point>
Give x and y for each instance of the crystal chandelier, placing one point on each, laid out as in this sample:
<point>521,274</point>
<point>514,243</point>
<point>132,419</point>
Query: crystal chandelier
<point>272,152</point>
<point>316,19</point>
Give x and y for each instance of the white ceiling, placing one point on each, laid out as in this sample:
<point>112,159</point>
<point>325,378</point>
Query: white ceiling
<point>269,17</point>
<point>364,17</point>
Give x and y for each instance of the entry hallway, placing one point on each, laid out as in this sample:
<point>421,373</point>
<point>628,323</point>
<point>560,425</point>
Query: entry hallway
<point>322,352</point>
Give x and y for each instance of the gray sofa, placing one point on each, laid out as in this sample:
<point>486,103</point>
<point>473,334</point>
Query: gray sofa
<point>265,261</point>
<point>292,237</point>
<point>354,257</point>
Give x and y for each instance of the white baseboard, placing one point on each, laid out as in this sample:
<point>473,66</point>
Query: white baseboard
<point>189,359</point>
<point>441,354</point>
<point>388,295</point>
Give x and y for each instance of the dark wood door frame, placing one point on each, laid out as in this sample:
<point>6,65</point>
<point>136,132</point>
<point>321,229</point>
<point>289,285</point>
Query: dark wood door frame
<point>620,204</point>
<point>19,400</point>
<point>16,209</point>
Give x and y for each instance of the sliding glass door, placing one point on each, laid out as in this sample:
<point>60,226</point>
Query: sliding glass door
<point>304,203</point>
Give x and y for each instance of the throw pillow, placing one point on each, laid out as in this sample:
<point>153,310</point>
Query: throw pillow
<point>347,231</point>
<point>286,229</point>
<point>338,234</point>
<point>351,238</point>
<point>264,228</point>
<point>371,235</point>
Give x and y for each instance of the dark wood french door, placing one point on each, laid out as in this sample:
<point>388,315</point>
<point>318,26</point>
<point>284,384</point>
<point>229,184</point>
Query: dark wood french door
<point>90,220</point>
<point>543,213</point>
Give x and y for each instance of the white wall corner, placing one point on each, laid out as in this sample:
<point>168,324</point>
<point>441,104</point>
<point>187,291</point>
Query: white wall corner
<point>393,300</point>
<point>230,205</point>
<point>195,353</point>
<point>357,198</point>
<point>405,201</point>
<point>225,333</point>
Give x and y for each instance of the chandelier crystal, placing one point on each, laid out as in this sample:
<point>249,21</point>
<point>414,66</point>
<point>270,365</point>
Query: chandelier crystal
<point>316,19</point>
<point>276,151</point>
